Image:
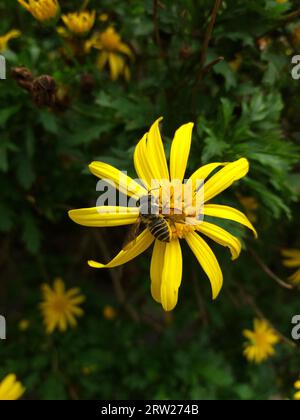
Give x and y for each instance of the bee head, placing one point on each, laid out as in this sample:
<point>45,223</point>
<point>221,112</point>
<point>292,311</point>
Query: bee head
<point>148,206</point>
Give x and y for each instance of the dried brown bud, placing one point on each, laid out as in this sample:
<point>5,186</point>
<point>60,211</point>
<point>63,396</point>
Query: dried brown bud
<point>23,77</point>
<point>43,91</point>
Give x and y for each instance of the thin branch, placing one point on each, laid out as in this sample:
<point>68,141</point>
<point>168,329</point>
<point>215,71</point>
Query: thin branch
<point>284,20</point>
<point>250,301</point>
<point>269,272</point>
<point>211,65</point>
<point>203,314</point>
<point>291,16</point>
<point>208,36</point>
<point>116,276</point>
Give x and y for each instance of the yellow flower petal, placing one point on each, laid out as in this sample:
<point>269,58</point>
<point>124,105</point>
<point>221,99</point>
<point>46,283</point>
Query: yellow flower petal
<point>123,182</point>
<point>292,263</point>
<point>202,173</point>
<point>297,384</point>
<point>225,178</point>
<point>248,334</point>
<point>123,48</point>
<point>222,237</point>
<point>102,60</point>
<point>171,275</point>
<point>59,286</point>
<point>207,260</point>
<point>105,216</point>
<point>295,278</point>
<point>225,212</point>
<point>143,242</point>
<point>156,154</point>
<point>142,163</point>
<point>116,64</point>
<point>156,269</point>
<point>291,253</point>
<point>297,396</point>
<point>180,151</point>
<point>10,388</point>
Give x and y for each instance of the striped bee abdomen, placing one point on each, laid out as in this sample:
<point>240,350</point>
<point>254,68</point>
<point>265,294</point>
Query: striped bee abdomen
<point>160,229</point>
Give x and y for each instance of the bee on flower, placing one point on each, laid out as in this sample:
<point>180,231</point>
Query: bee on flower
<point>167,227</point>
<point>261,342</point>
<point>80,23</point>
<point>42,10</point>
<point>113,53</point>
<point>4,39</point>
<point>292,260</point>
<point>60,307</point>
<point>11,389</point>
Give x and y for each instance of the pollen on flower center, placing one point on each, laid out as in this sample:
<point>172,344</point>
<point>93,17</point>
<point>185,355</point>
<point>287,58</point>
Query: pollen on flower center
<point>60,304</point>
<point>180,230</point>
<point>176,207</point>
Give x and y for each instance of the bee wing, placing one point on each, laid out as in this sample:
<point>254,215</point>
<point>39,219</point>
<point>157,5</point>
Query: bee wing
<point>132,235</point>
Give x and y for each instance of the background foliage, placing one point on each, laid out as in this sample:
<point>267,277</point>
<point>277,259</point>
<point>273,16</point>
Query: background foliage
<point>246,105</point>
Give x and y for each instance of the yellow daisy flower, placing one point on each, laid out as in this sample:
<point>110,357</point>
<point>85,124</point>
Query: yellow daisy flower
<point>60,307</point>
<point>103,17</point>
<point>151,164</point>
<point>236,63</point>
<point>297,387</point>
<point>109,312</point>
<point>4,39</point>
<point>10,388</point>
<point>24,324</point>
<point>292,260</point>
<point>261,342</point>
<point>42,10</point>
<point>113,53</point>
<point>80,23</point>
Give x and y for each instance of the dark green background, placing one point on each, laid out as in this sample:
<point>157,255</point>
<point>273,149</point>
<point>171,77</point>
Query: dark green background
<point>254,113</point>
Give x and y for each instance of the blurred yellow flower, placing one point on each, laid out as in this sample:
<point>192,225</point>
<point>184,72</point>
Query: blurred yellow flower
<point>23,325</point>
<point>10,388</point>
<point>113,53</point>
<point>4,39</point>
<point>261,342</point>
<point>250,205</point>
<point>42,10</point>
<point>297,388</point>
<point>80,23</point>
<point>236,63</point>
<point>103,17</point>
<point>60,307</point>
<point>88,370</point>
<point>151,164</point>
<point>281,1</point>
<point>109,312</point>
<point>292,260</point>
